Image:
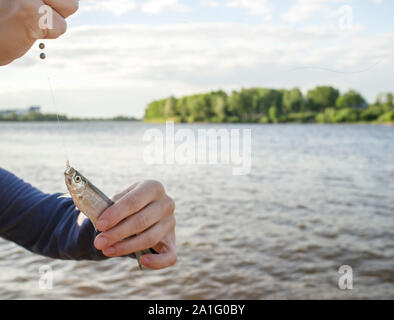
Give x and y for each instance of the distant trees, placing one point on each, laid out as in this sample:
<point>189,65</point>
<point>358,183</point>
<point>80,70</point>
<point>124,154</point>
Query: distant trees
<point>322,104</point>
<point>37,116</point>
<point>351,99</point>
<point>123,118</point>
<point>320,98</point>
<point>385,99</point>
<point>293,101</point>
<point>31,116</point>
<point>332,115</point>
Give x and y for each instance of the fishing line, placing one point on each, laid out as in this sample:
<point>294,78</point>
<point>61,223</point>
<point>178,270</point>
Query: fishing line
<point>54,104</point>
<point>336,71</point>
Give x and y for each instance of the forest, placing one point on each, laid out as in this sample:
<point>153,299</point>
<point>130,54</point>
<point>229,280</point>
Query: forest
<point>323,104</point>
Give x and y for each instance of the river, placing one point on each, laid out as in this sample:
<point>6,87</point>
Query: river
<point>317,197</point>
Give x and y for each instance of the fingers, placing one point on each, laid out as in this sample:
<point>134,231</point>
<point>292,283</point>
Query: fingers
<point>64,7</point>
<point>160,261</point>
<point>132,202</point>
<point>61,9</point>
<point>136,223</point>
<point>119,196</point>
<point>145,240</point>
<point>59,27</point>
<point>141,218</point>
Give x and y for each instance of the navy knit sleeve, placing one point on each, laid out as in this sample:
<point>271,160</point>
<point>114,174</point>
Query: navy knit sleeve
<point>44,224</point>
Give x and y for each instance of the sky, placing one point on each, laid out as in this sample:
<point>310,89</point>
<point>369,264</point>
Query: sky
<point>119,55</point>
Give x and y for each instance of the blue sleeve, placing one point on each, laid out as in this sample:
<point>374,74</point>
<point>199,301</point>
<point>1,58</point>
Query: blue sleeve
<point>44,224</point>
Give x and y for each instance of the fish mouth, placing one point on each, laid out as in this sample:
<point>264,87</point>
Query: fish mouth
<point>69,171</point>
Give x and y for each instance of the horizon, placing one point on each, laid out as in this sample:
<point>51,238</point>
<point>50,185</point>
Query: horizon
<point>149,50</point>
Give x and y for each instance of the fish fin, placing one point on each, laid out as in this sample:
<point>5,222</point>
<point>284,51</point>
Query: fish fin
<point>64,195</point>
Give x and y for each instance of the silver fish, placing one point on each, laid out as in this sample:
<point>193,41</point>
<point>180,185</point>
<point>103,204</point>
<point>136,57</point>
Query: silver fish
<point>89,199</point>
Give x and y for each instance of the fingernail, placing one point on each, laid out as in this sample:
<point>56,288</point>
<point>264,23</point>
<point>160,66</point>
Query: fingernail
<point>110,251</point>
<point>101,242</point>
<point>102,224</point>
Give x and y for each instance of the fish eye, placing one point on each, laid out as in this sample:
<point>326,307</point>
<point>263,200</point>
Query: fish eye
<point>78,179</point>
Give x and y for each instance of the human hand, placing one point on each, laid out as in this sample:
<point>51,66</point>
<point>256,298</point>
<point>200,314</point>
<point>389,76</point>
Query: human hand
<point>19,24</point>
<point>141,218</point>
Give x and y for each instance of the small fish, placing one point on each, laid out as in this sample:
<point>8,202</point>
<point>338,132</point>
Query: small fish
<point>89,199</point>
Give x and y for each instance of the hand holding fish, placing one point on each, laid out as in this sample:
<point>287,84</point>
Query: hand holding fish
<point>142,217</point>
<point>20,24</point>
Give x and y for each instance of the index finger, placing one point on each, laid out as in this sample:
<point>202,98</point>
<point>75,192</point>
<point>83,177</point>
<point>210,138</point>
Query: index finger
<point>131,203</point>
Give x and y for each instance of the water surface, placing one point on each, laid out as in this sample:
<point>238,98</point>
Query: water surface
<point>317,197</point>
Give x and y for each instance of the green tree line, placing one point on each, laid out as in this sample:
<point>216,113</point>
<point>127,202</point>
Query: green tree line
<point>36,116</point>
<point>31,116</point>
<point>323,104</point>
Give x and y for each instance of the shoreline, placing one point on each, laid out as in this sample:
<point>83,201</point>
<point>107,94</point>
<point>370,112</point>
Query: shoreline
<point>389,124</point>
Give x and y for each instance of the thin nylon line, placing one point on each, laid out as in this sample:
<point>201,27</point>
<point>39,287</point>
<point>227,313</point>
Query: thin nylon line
<point>58,119</point>
<point>381,59</point>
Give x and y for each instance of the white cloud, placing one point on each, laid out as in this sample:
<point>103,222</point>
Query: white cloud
<point>158,6</point>
<point>306,9</point>
<point>135,64</point>
<point>256,7</point>
<point>117,7</point>
<point>210,3</point>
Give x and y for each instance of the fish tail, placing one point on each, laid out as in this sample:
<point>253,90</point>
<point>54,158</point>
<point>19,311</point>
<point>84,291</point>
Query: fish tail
<point>138,256</point>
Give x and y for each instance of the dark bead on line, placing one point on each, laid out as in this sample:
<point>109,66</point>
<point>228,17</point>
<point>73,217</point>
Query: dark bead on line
<point>42,56</point>
<point>41,46</point>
